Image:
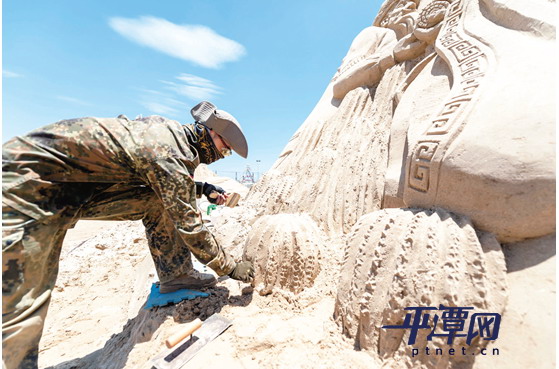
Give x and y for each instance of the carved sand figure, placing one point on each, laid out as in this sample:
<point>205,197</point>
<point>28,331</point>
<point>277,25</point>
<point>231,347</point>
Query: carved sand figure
<point>372,51</point>
<point>432,112</point>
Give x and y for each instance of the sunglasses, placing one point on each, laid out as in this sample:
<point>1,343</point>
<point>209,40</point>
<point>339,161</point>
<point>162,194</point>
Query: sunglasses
<point>225,151</point>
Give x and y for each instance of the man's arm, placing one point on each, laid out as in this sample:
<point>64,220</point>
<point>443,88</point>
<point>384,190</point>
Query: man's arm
<point>214,194</point>
<point>199,189</point>
<point>171,181</point>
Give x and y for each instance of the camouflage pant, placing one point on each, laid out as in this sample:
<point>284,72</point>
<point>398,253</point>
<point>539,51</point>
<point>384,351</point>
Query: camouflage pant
<point>31,249</point>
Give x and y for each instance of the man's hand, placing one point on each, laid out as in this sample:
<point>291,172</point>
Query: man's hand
<point>244,272</point>
<point>214,194</point>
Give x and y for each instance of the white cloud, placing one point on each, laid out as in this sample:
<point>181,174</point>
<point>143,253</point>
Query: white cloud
<point>73,100</point>
<point>159,108</point>
<point>146,90</point>
<point>194,87</point>
<point>198,44</point>
<point>171,102</point>
<point>162,103</point>
<point>10,74</point>
<point>195,80</point>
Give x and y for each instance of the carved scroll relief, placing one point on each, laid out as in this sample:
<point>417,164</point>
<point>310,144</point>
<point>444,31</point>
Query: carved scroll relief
<point>469,61</point>
<point>430,21</point>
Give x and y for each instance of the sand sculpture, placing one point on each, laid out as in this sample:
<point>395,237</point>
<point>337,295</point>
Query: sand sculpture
<point>423,176</point>
<point>451,120</point>
<point>285,251</point>
<point>420,258</point>
<point>441,111</point>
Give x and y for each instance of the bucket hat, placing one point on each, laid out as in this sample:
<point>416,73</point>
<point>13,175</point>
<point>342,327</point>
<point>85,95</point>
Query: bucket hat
<point>223,123</point>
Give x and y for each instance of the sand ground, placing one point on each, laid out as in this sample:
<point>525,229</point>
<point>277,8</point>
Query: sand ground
<point>97,320</point>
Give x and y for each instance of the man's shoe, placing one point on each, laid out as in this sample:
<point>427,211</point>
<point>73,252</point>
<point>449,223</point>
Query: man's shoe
<point>193,280</point>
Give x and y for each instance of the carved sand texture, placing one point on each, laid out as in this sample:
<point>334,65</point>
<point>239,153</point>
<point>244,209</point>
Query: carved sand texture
<point>334,170</point>
<point>483,141</point>
<point>285,251</point>
<point>398,258</point>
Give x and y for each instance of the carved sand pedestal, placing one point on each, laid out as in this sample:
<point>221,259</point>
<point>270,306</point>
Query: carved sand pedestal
<point>401,258</point>
<point>284,249</point>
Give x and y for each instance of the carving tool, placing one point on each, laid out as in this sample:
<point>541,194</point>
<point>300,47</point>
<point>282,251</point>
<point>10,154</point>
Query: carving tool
<point>186,331</point>
<point>185,344</point>
<point>232,199</point>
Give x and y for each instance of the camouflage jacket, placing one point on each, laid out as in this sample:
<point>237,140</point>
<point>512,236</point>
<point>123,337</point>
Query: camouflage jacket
<point>61,165</point>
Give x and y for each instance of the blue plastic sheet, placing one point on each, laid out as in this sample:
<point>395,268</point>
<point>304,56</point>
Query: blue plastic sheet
<point>162,299</point>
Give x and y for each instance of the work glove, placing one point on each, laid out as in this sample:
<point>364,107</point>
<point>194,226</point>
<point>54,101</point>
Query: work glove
<point>243,271</point>
<point>212,192</point>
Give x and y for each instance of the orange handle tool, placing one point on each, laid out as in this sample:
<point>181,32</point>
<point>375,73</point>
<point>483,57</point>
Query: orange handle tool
<point>186,331</point>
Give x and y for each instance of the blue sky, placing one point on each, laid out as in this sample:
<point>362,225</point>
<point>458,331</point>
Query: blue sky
<point>265,62</point>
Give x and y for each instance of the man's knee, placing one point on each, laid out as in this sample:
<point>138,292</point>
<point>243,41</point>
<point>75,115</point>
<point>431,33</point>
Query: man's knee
<point>20,338</point>
<point>29,264</point>
<point>13,266</point>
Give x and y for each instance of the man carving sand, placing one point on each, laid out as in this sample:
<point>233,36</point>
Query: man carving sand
<point>110,169</point>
